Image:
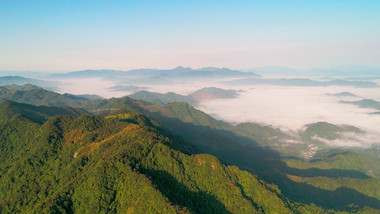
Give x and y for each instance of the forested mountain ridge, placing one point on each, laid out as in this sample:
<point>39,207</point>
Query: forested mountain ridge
<point>121,163</point>
<point>352,178</point>
<point>193,98</point>
<point>37,114</point>
<point>35,95</point>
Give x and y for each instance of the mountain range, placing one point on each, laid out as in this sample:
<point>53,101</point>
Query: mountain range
<point>337,71</point>
<point>19,80</point>
<point>119,163</point>
<point>178,72</point>
<point>123,154</point>
<point>303,82</point>
<point>193,98</point>
<point>141,79</point>
<point>35,95</point>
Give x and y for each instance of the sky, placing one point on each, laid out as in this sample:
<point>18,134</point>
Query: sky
<point>76,35</point>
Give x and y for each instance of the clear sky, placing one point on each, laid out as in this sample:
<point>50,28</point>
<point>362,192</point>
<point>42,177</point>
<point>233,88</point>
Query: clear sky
<point>74,35</point>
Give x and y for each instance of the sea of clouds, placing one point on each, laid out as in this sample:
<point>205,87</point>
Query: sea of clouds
<point>289,108</point>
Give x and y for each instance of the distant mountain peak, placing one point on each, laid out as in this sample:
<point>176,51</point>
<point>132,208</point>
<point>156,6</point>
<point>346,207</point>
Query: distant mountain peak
<point>181,68</point>
<point>345,94</point>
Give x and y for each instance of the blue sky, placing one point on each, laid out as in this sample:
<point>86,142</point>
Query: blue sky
<point>75,35</point>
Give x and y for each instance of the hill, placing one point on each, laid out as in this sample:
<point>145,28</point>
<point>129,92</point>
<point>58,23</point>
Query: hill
<point>261,150</point>
<point>344,94</point>
<point>37,114</point>
<point>88,74</point>
<point>322,135</point>
<point>161,99</point>
<point>213,93</point>
<point>127,88</point>
<point>35,95</point>
<point>303,82</point>
<point>157,75</point>
<point>122,163</point>
<point>9,80</point>
<point>337,71</point>
<point>190,73</point>
<point>365,103</point>
<point>193,98</point>
<point>255,148</point>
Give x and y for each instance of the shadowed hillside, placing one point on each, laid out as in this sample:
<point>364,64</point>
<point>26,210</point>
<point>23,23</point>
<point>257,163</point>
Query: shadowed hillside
<point>246,146</point>
<point>93,164</point>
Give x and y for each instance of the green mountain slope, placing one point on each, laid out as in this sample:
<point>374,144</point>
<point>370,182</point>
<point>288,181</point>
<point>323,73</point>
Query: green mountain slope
<point>213,93</point>
<point>181,117</point>
<point>244,146</point>
<point>123,163</point>
<point>193,98</point>
<point>343,160</point>
<point>322,136</point>
<point>161,99</point>
<point>8,80</point>
<point>328,131</point>
<point>34,95</point>
<point>37,114</point>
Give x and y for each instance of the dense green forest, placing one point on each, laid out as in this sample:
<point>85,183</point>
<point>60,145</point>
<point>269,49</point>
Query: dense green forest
<point>136,157</point>
<point>121,163</point>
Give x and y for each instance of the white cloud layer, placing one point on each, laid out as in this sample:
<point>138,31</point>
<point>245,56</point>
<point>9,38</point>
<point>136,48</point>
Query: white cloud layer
<point>290,108</point>
<point>286,107</point>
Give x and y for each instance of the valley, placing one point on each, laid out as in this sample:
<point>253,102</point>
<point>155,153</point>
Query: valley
<point>295,164</point>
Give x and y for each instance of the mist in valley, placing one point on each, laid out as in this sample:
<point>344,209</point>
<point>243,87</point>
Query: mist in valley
<point>287,107</point>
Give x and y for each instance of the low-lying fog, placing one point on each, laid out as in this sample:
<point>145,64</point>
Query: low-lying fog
<point>291,108</point>
<point>288,107</point>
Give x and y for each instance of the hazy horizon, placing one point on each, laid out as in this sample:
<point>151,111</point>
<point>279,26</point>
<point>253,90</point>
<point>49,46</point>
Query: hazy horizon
<point>262,70</point>
<point>289,107</point>
<point>303,51</point>
<point>200,106</point>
